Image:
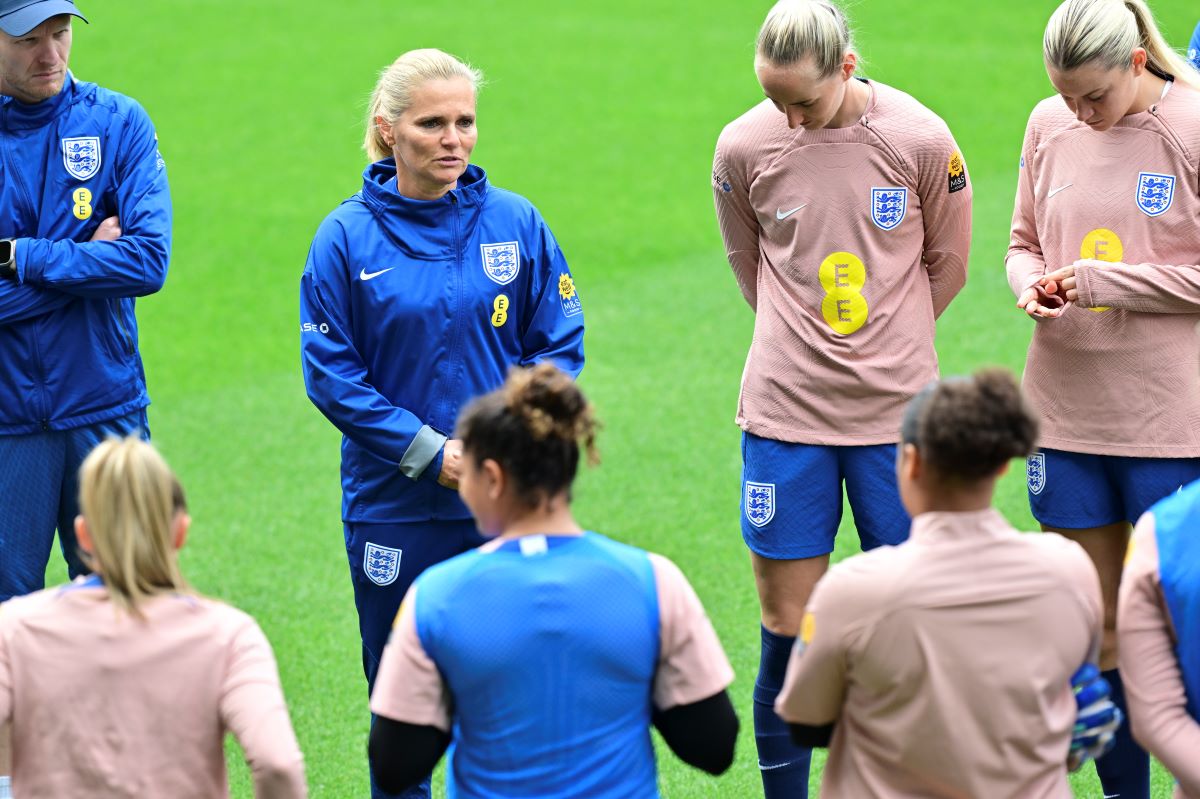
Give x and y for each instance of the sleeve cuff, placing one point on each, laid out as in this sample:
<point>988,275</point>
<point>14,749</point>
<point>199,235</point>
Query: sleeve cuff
<point>426,446</point>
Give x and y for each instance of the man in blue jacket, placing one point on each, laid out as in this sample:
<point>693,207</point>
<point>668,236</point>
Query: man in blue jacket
<point>85,227</point>
<point>1194,48</point>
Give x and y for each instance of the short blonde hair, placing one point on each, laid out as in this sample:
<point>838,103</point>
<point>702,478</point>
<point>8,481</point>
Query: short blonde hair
<point>393,91</point>
<point>1105,32</point>
<point>129,499</point>
<point>799,29</point>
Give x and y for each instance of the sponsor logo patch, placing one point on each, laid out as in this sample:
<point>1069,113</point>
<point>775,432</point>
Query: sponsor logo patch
<point>568,296</point>
<point>1155,193</point>
<point>957,172</point>
<point>500,310</point>
<point>760,502</point>
<point>81,156</point>
<point>501,262</point>
<point>1035,472</point>
<point>888,206</point>
<point>81,203</point>
<point>381,564</point>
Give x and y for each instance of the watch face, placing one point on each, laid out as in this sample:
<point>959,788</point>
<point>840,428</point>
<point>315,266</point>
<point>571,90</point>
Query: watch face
<point>6,251</point>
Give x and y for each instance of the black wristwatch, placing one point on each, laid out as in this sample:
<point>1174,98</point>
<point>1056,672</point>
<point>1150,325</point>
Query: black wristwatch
<point>8,259</point>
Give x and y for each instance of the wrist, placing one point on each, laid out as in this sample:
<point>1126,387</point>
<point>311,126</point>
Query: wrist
<point>8,259</point>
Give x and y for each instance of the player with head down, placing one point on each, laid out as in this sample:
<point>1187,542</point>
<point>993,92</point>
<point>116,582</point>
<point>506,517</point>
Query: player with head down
<point>845,209</point>
<point>1104,255</point>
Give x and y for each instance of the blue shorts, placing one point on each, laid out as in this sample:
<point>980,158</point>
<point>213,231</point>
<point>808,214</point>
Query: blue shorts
<point>1075,490</point>
<point>39,492</point>
<point>792,496</point>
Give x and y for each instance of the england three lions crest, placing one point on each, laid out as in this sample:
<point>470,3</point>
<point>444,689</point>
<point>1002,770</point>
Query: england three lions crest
<point>760,502</point>
<point>1035,472</point>
<point>381,564</point>
<point>501,262</point>
<point>81,156</point>
<point>888,206</point>
<point>1155,193</point>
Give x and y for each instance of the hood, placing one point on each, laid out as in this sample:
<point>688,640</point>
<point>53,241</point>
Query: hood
<point>429,228</point>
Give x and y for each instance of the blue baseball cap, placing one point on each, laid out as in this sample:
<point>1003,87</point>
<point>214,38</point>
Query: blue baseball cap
<point>19,17</point>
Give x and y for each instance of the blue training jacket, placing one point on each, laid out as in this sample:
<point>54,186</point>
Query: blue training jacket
<point>68,337</point>
<point>410,308</point>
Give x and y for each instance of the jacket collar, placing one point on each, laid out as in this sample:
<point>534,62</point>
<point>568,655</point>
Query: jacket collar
<point>26,116</point>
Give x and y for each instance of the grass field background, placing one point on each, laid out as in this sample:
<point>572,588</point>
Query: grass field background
<point>605,116</point>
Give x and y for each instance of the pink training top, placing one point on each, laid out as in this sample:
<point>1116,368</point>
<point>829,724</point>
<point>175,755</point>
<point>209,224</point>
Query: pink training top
<point>1153,682</point>
<point>691,663</point>
<point>848,243</point>
<point>1119,372</point>
<point>104,704</point>
<point>946,662</point>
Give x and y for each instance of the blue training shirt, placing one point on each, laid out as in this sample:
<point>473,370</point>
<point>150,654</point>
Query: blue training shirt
<point>410,308</point>
<point>550,654</point>
<point>1175,521</point>
<point>68,336</point>
<point>1194,48</point>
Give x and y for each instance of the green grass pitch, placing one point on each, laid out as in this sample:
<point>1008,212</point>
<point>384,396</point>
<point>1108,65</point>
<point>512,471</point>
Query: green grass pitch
<point>605,115</point>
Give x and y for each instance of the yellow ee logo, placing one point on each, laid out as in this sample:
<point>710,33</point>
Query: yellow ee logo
<point>499,310</point>
<point>566,286</point>
<point>1102,244</point>
<point>843,276</point>
<point>81,203</point>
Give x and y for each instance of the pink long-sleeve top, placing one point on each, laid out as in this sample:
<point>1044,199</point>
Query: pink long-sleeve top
<point>1119,372</point>
<point>848,243</point>
<point>106,704</point>
<point>1153,682</point>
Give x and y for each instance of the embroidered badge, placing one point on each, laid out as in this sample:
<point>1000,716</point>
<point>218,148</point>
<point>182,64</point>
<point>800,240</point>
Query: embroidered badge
<point>957,172</point>
<point>568,296</point>
<point>888,206</point>
<point>81,156</point>
<point>1035,472</point>
<point>501,262</point>
<point>381,564</point>
<point>760,503</point>
<point>1155,193</point>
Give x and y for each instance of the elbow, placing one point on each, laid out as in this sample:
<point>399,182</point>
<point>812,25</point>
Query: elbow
<point>281,776</point>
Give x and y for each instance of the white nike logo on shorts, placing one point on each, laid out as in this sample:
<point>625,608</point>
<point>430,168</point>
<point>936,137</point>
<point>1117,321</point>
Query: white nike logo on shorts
<point>365,275</point>
<point>782,214</point>
<point>1053,192</point>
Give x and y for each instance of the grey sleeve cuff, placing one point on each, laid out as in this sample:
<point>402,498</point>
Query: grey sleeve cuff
<point>424,448</point>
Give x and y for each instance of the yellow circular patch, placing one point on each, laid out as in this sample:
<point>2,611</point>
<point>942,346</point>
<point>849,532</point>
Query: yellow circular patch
<point>843,276</point>
<point>807,627</point>
<point>499,310</point>
<point>81,203</point>
<point>1102,244</point>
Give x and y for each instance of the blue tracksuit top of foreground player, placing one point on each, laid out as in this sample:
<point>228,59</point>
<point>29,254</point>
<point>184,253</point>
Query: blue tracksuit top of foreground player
<point>410,308</point>
<point>1179,574</point>
<point>68,336</point>
<point>549,650</point>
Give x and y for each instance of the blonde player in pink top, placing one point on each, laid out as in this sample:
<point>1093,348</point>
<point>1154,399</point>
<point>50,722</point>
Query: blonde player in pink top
<point>845,209</point>
<point>123,684</point>
<point>1104,253</point>
<point>942,668</point>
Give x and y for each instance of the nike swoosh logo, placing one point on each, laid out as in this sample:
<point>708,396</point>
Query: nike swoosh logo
<point>1053,192</point>
<point>782,214</point>
<point>365,275</point>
